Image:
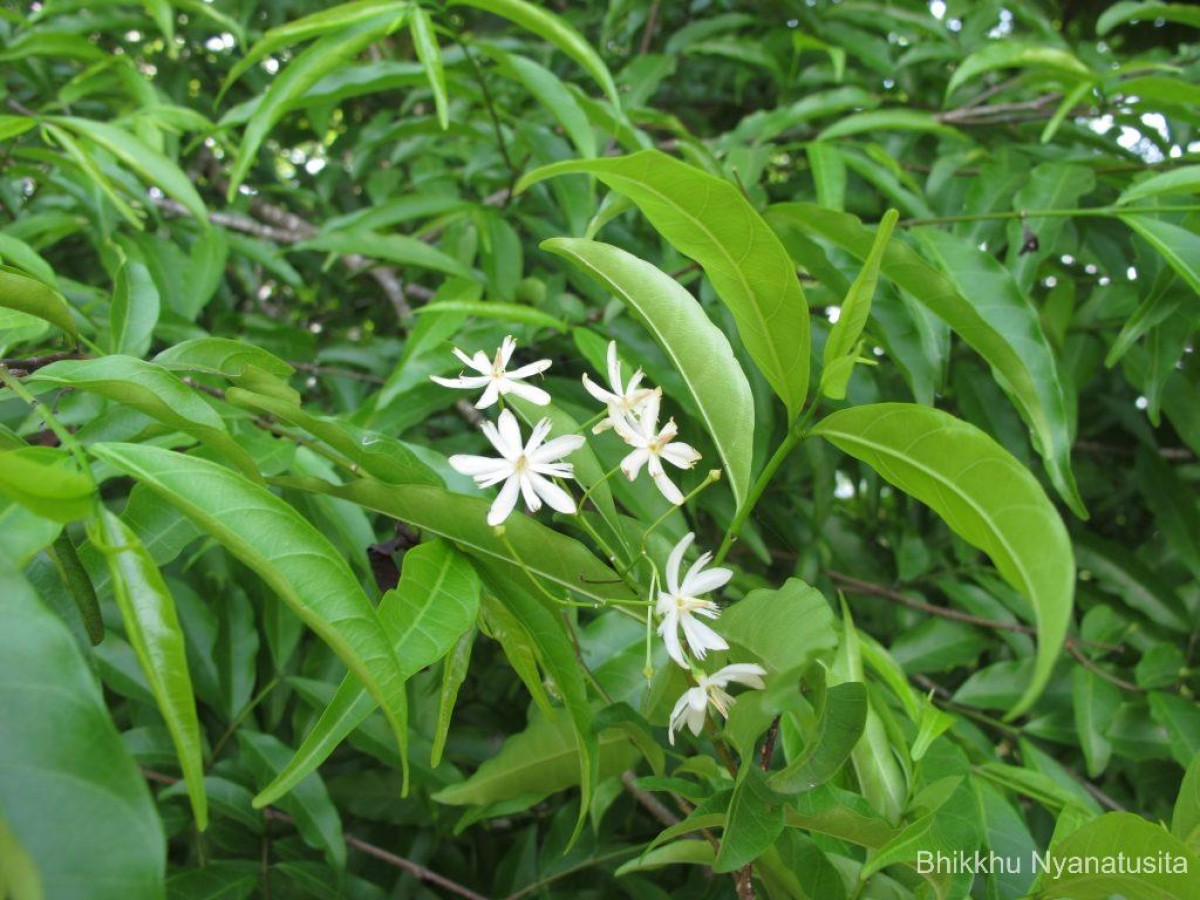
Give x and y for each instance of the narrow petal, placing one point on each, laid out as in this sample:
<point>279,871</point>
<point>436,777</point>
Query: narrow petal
<point>503,505</point>
<point>681,455</point>
<point>507,346</point>
<point>553,470</point>
<point>533,368</point>
<point>648,418</point>
<point>632,464</point>
<point>510,435</point>
<point>667,487</point>
<point>700,638</point>
<point>697,581</point>
<point>558,499</point>
<point>536,435</point>
<point>679,716</point>
<point>528,392</point>
<point>605,397</point>
<point>675,561</point>
<point>477,465</point>
<point>670,636</point>
<point>748,674</point>
<point>490,395</point>
<point>469,382</point>
<point>480,363</point>
<point>529,491</point>
<point>556,448</point>
<point>614,367</point>
<point>473,362</point>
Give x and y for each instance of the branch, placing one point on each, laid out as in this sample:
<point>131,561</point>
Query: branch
<point>648,801</point>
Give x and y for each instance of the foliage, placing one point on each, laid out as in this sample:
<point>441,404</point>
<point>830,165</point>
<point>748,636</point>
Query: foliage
<point>295,601</point>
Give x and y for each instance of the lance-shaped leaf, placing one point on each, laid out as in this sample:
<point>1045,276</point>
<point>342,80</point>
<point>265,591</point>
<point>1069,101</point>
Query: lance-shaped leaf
<point>399,249</point>
<point>553,30</point>
<point>986,496</point>
<point>1177,245</point>
<point>72,796</point>
<point>1011,54</point>
<point>526,548</point>
<point>424,40</point>
<point>154,168</point>
<point>699,351</point>
<point>47,481</point>
<point>287,552</point>
<point>999,324</point>
<point>148,611</point>
<point>709,220</point>
<point>756,818</point>
<point>1146,11</point>
<point>152,390</point>
<point>842,347</point>
<point>134,310</point>
<point>435,602</point>
<point>842,717</point>
<point>301,74</point>
<point>1184,180</point>
<point>28,295</point>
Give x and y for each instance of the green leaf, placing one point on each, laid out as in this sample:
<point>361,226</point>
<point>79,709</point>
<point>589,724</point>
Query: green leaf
<point>1095,701</point>
<point>829,174</point>
<point>71,795</point>
<point>1133,11</point>
<point>1180,717</point>
<point>537,762</point>
<point>434,604</point>
<point>548,90</point>
<point>526,548</point>
<point>398,249</point>
<point>984,495</point>
<point>1004,330</point>
<point>1133,837</point>
<point>288,553</point>
<point>1012,54</point>
<point>556,31</point>
<point>708,219</point>
<point>222,356</point>
<point>28,295</point>
<point>17,251</point>
<point>876,120</point>
<point>842,347</point>
<point>151,390</point>
<point>302,73</point>
<point>335,18</point>
<point>786,628</point>
<point>756,818</point>
<point>134,310</point>
<point>424,40</point>
<point>309,802</point>
<point>1175,244</point>
<point>379,456</point>
<point>490,309</point>
<point>154,168</point>
<point>1184,180</point>
<point>454,672</point>
<point>148,611</point>
<point>698,350</point>
<point>842,717</point>
<point>1185,820</point>
<point>48,482</point>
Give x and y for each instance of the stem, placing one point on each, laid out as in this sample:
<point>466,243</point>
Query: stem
<point>65,438</point>
<point>241,717</point>
<point>1094,212</point>
<point>795,435</point>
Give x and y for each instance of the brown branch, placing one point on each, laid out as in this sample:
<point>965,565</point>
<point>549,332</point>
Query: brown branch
<point>418,871</point>
<point>648,801</point>
<point>648,31</point>
<point>1181,454</point>
<point>338,372</point>
<point>22,367</point>
<point>1083,660</point>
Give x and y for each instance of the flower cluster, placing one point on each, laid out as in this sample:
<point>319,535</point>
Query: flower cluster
<point>678,608</point>
<point>527,468</point>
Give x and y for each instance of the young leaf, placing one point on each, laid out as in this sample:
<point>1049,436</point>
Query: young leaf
<point>154,168</point>
<point>1175,244</point>
<point>1004,330</point>
<point>435,602</point>
<point>73,797</point>
<point>28,295</point>
<point>454,672</point>
<point>876,120</point>
<point>134,310</point>
<point>1010,54</point>
<point>48,482</point>
<point>842,347</point>
<point>986,496</point>
<point>148,611</point>
<point>699,351</point>
<point>829,174</point>
<point>842,717</point>
<point>709,220</point>
<point>1184,180</point>
<point>153,391</point>
<point>288,553</point>
<point>399,249</point>
<point>1095,701</point>
<point>301,74</point>
<point>430,54</point>
<point>786,628</point>
<point>556,31</point>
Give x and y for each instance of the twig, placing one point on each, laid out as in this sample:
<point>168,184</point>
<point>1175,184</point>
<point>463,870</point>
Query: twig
<point>768,747</point>
<point>22,367</point>
<point>338,372</point>
<point>418,871</point>
<point>648,31</point>
<point>648,801</point>
<point>1083,660</point>
<point>1177,453</point>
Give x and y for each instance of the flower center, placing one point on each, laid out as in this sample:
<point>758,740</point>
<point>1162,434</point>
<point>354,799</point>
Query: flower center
<point>520,464</point>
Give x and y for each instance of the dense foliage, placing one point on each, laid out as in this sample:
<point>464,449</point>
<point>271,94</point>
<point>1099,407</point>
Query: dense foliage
<point>887,308</point>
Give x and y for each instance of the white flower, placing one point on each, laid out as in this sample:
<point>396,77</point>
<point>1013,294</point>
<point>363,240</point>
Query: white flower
<point>680,603</point>
<point>624,399</point>
<point>652,446</point>
<point>522,468</point>
<point>498,379</point>
<point>691,707</point>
